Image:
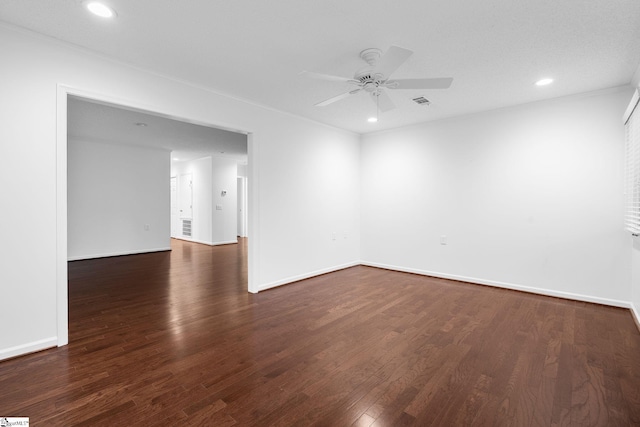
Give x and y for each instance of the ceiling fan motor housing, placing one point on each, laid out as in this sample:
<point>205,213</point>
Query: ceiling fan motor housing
<point>369,82</point>
<point>365,75</point>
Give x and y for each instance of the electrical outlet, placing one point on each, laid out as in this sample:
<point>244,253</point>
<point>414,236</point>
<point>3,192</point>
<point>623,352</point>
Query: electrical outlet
<point>334,236</point>
<point>146,227</point>
<point>346,234</point>
<point>443,240</point>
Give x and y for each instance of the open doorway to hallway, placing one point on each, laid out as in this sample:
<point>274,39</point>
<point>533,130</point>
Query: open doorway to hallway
<point>119,166</point>
<point>206,202</point>
<point>120,162</point>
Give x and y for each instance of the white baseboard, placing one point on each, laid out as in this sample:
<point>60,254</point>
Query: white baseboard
<point>224,242</point>
<point>21,350</point>
<point>53,341</point>
<point>292,279</point>
<point>512,286</point>
<point>635,315</point>
<point>105,255</point>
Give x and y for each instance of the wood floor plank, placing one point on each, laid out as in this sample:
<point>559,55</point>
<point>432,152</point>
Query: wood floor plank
<point>174,338</point>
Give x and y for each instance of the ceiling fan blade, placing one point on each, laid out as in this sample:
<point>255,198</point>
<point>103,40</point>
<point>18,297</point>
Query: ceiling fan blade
<point>326,77</point>
<point>384,101</point>
<point>391,60</point>
<point>337,98</point>
<point>437,83</point>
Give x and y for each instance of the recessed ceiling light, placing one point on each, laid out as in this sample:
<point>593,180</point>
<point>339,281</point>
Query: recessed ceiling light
<point>544,82</point>
<point>372,119</point>
<point>141,124</point>
<point>100,9</point>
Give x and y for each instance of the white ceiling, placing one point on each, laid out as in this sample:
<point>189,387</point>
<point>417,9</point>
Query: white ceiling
<point>494,49</point>
<point>104,123</point>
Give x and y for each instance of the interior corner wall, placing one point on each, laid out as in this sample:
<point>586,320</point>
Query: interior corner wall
<point>118,200</point>
<point>303,177</point>
<point>528,198</point>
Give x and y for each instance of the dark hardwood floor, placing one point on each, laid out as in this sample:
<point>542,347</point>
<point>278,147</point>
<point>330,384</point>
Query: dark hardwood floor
<point>175,339</point>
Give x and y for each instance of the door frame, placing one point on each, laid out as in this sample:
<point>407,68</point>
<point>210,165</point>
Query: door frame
<point>62,94</point>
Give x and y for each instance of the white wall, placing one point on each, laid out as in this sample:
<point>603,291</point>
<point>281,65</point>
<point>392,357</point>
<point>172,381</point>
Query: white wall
<point>304,177</point>
<point>528,197</point>
<point>113,192</point>
<point>305,219</point>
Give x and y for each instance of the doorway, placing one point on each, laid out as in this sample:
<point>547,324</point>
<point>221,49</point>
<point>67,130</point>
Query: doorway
<point>185,206</point>
<point>64,94</point>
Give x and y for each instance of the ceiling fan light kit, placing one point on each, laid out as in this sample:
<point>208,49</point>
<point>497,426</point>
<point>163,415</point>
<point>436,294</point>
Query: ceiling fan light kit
<point>374,78</point>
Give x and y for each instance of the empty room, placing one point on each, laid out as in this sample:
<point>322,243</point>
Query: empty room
<point>442,211</point>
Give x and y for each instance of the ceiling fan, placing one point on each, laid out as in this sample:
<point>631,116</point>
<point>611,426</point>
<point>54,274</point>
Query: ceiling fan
<point>375,78</point>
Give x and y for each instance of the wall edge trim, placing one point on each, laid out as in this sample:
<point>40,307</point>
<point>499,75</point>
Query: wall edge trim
<point>297,278</point>
<point>505,285</point>
<point>119,253</point>
<point>636,315</point>
<point>206,242</point>
<point>30,347</point>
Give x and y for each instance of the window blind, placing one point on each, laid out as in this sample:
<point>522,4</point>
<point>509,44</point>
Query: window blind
<point>632,166</point>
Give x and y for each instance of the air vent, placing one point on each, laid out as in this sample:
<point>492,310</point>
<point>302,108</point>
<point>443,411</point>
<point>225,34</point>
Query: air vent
<point>421,100</point>
<point>186,227</point>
